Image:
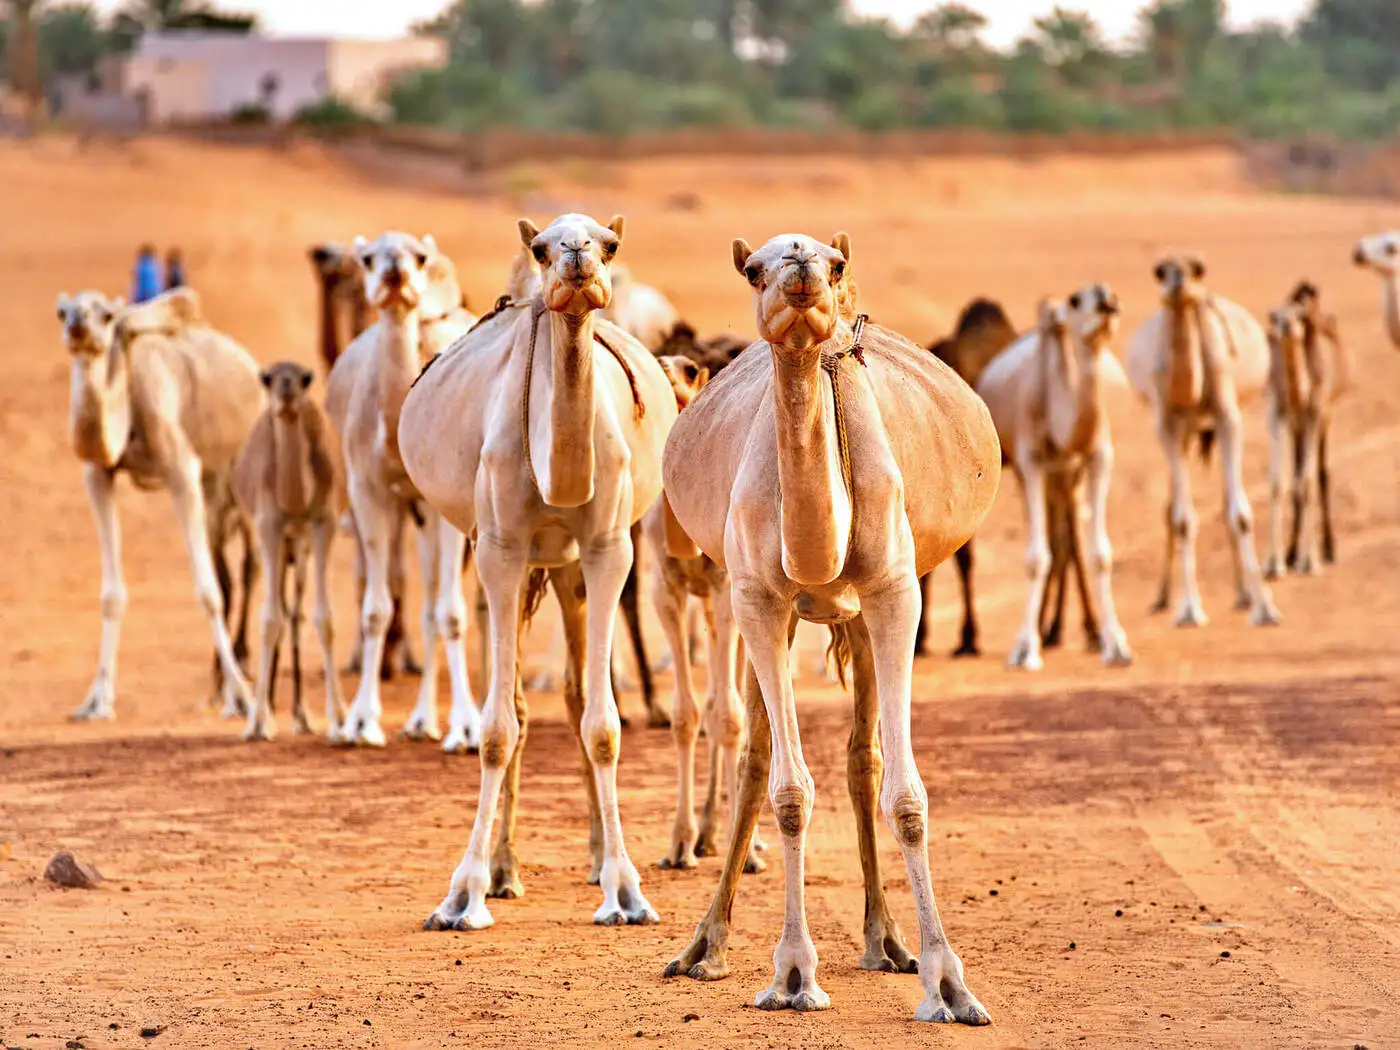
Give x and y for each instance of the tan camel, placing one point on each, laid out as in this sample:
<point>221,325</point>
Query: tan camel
<point>1381,255</point>
<point>159,395</point>
<point>290,481</point>
<point>640,310</point>
<point>675,579</point>
<point>414,286</point>
<point>825,475</point>
<point>344,313</point>
<point>1047,395</point>
<point>541,434</point>
<point>1306,378</point>
<point>1197,361</point>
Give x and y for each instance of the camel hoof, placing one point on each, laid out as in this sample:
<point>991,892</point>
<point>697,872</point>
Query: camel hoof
<point>1161,605</point>
<point>459,742</point>
<point>887,954</point>
<point>1116,653</point>
<point>261,731</point>
<point>362,732</point>
<point>705,958</point>
<point>420,728</point>
<point>301,727</point>
<point>808,997</point>
<point>96,708</point>
<point>658,719</point>
<point>1191,616</point>
<point>1025,658</point>
<point>967,649</point>
<point>1273,568</point>
<point>705,844</point>
<point>456,914</point>
<point>679,859</point>
<point>505,885</point>
<point>936,1011</point>
<point>754,864</point>
<point>1265,616</point>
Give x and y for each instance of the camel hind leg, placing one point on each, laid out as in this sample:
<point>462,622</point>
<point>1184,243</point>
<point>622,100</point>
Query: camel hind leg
<point>1324,497</point>
<point>100,702</point>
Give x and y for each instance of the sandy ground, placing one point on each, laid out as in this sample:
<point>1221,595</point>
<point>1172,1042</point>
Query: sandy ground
<point>1234,792</point>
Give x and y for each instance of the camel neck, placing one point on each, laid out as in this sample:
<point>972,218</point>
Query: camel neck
<point>359,307</point>
<point>1076,394</point>
<point>815,506</point>
<point>399,365</point>
<point>99,408</point>
<point>1185,364</point>
<point>567,434</point>
<point>330,337</point>
<point>1390,304</point>
<point>292,476</point>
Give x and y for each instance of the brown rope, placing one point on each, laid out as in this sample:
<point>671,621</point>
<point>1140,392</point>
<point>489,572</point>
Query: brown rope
<point>639,408</point>
<point>831,365</point>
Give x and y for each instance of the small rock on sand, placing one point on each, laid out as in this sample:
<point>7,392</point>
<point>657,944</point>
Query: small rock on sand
<point>67,870</point>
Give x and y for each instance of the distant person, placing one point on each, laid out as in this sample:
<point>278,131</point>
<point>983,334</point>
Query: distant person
<point>146,281</point>
<point>174,269</point>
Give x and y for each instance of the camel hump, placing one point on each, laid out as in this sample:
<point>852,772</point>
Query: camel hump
<point>169,313</point>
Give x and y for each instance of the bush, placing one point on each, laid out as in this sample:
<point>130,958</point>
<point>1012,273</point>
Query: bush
<point>877,109</point>
<point>957,102</point>
<point>250,113</point>
<point>332,112</point>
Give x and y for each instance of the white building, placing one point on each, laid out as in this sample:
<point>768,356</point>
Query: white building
<point>193,75</point>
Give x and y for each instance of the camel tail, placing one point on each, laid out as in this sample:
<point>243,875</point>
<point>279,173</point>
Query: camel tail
<point>1207,443</point>
<point>838,651</point>
<point>535,588</point>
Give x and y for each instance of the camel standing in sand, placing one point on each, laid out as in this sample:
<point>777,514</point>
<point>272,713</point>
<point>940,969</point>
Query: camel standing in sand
<point>1197,361</point>
<point>984,331</point>
<point>160,396</point>
<point>1381,255</point>
<point>640,310</point>
<point>343,314</point>
<point>541,435</point>
<point>1306,378</point>
<point>414,286</point>
<point>290,481</point>
<point>677,577</point>
<point>1046,393</point>
<point>825,475</point>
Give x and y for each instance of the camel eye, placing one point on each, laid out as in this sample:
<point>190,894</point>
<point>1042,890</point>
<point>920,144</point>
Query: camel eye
<point>1391,248</point>
<point>1074,301</point>
<point>753,272</point>
<point>1160,272</point>
<point>540,252</point>
<point>421,260</point>
<point>691,372</point>
<point>838,270</point>
<point>367,261</point>
<point>610,248</point>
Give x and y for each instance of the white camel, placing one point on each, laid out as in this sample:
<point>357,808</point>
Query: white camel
<point>1197,361</point>
<point>1381,255</point>
<point>160,396</point>
<point>1046,392</point>
<point>640,310</point>
<point>541,434</point>
<point>414,287</point>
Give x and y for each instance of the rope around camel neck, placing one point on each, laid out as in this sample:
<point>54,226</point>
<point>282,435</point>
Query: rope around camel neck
<point>831,365</point>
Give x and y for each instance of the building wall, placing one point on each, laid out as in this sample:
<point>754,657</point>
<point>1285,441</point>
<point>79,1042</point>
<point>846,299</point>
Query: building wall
<point>361,70</point>
<point>169,89</point>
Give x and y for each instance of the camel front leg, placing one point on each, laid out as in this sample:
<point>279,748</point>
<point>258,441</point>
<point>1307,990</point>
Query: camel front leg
<point>500,565</point>
<point>422,723</point>
<point>1324,495</point>
<point>1115,651</point>
<point>188,497</point>
<point>605,561</point>
<point>967,645</point>
<point>464,718</point>
<point>1163,601</point>
<point>706,958</point>
<point>272,543</point>
<point>1093,636</point>
<point>1303,549</point>
<point>1279,439</point>
<point>373,513</point>
<point>300,723</point>
<point>1026,654</point>
<point>889,614</point>
<point>102,694</point>
<point>1183,525</point>
<point>670,601</point>
<point>505,866</point>
<point>322,536</point>
<point>884,943</point>
<point>398,653</point>
<point>572,596</point>
<point>1241,519</point>
<point>763,618</point>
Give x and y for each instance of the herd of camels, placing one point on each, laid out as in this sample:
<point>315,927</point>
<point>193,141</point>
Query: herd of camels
<point>796,478</point>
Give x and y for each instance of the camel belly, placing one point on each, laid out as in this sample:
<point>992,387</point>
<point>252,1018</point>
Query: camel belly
<point>552,546</point>
<point>837,602</point>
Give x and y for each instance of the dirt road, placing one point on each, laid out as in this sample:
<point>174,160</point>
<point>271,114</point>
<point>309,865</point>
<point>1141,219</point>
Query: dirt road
<point>1199,851</point>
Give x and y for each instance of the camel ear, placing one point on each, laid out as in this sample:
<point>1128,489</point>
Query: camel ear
<point>703,377</point>
<point>742,251</point>
<point>265,378</point>
<point>119,303</point>
<point>430,242</point>
<point>618,224</point>
<point>361,247</point>
<point>1198,269</point>
<point>64,305</point>
<point>842,243</point>
<point>528,232</point>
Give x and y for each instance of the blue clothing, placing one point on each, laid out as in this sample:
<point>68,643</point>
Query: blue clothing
<point>175,276</point>
<point>146,282</point>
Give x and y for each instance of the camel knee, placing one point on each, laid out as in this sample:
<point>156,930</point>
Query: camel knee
<point>113,603</point>
<point>864,761</point>
<point>1101,557</point>
<point>1184,523</point>
<point>1037,561</point>
<point>685,720</point>
<point>726,722</point>
<point>908,817</point>
<point>451,623</point>
<point>325,627</point>
<point>210,599</point>
<point>500,736</point>
<point>792,806</point>
<point>602,737</point>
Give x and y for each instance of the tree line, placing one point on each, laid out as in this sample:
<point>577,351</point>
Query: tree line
<point>621,66</point>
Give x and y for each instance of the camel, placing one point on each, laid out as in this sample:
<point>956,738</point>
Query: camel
<point>1305,380</point>
<point>675,579</point>
<point>1046,393</point>
<point>290,482</point>
<point>344,314</point>
<point>1381,255</point>
<point>1197,361</point>
<point>540,435</point>
<point>414,287</point>
<point>825,470</point>
<point>640,310</point>
<point>159,395</point>
<point>983,331</point>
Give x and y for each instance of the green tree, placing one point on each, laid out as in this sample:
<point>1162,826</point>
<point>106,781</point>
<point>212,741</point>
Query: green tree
<point>1073,44</point>
<point>22,55</point>
<point>71,39</point>
<point>1359,40</point>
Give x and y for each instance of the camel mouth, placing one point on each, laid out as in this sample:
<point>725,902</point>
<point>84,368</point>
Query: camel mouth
<point>404,296</point>
<point>802,300</point>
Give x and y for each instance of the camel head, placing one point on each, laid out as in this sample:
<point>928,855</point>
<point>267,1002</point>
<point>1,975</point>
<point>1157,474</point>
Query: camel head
<point>1180,279</point>
<point>1092,314</point>
<point>687,378</point>
<point>398,271</point>
<point>797,283</point>
<point>1286,326</point>
<point>335,263</point>
<point>575,257</point>
<point>89,321</point>
<point>286,383</point>
<point>1380,254</point>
